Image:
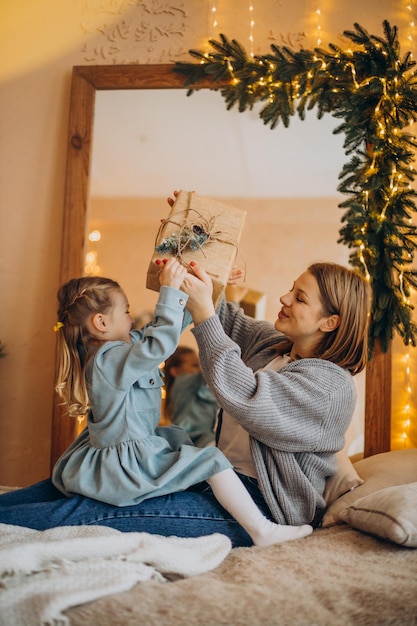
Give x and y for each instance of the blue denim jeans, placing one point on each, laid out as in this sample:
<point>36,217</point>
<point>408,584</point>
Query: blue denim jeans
<point>190,513</point>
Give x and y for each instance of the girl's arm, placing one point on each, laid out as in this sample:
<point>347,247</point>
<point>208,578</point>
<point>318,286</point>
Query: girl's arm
<point>122,363</point>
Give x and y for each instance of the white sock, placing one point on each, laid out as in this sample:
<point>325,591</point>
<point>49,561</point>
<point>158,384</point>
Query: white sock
<point>234,497</point>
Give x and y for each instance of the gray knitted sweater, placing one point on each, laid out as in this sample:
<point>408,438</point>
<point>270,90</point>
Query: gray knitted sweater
<point>296,418</point>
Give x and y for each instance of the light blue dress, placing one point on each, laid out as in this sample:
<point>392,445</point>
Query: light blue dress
<point>122,457</point>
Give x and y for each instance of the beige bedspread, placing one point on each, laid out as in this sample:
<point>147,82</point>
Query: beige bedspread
<point>337,576</point>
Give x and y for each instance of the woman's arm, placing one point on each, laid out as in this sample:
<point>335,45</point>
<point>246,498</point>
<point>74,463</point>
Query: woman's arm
<point>244,330</point>
<point>288,410</point>
<point>285,410</point>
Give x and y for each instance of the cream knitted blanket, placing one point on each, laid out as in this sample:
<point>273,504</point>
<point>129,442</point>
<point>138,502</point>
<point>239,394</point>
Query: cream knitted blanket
<point>43,573</point>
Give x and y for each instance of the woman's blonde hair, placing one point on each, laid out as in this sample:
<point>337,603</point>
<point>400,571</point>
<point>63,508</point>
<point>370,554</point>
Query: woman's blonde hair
<point>344,292</point>
<point>79,299</point>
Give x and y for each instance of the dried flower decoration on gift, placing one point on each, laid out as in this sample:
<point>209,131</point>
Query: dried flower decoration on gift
<point>193,238</point>
<point>191,235</point>
<point>202,230</point>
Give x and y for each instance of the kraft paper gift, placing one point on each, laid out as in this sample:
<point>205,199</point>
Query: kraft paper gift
<point>202,230</point>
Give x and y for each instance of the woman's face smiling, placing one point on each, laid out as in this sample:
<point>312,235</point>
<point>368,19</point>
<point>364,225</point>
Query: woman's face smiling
<point>301,316</point>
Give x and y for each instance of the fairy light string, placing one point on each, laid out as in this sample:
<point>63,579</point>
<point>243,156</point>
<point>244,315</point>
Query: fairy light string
<point>318,26</point>
<point>212,25</point>
<point>409,407</point>
<point>251,30</point>
<point>407,412</point>
<point>402,418</point>
<point>404,409</point>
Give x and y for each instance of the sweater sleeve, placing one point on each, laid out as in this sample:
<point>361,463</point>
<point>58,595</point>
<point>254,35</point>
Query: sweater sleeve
<point>244,330</point>
<point>291,410</point>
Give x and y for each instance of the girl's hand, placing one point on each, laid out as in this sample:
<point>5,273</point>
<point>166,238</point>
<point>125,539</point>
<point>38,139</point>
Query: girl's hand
<point>199,288</point>
<point>172,272</point>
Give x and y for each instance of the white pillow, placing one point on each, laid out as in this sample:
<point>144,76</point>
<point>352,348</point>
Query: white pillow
<point>390,513</point>
<point>387,469</point>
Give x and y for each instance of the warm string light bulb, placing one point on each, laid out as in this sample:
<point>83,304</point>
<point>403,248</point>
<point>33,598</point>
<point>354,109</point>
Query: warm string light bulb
<point>362,260</point>
<point>91,266</point>
<point>393,188</point>
<point>361,244</point>
<point>401,286</point>
<point>95,235</point>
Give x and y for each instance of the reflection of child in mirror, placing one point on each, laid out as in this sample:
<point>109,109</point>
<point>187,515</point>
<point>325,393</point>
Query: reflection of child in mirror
<point>189,403</point>
<point>112,372</point>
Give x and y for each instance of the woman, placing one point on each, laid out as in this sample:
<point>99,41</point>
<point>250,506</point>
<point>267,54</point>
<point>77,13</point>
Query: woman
<point>287,397</point>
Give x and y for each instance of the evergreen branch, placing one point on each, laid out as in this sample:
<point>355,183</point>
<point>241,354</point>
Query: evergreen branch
<point>374,93</point>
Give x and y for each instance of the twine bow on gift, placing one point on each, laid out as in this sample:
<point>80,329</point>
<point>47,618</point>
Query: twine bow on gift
<point>193,234</point>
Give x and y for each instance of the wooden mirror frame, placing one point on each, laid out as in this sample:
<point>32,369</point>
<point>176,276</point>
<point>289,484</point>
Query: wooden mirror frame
<point>86,80</point>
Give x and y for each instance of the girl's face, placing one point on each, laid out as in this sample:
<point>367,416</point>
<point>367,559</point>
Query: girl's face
<point>119,321</point>
<point>301,317</point>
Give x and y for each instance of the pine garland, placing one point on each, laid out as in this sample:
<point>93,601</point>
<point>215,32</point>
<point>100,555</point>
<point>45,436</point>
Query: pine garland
<point>373,91</point>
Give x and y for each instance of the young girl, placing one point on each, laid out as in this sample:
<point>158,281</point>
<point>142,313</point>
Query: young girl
<point>111,373</point>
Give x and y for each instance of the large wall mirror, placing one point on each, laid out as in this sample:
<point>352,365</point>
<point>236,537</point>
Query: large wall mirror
<point>219,154</point>
<point>147,142</point>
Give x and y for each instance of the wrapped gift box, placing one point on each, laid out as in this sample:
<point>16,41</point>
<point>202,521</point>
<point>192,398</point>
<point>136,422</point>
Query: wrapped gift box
<point>202,230</point>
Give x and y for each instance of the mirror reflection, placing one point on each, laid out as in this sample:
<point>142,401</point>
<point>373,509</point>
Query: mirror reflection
<point>148,142</point>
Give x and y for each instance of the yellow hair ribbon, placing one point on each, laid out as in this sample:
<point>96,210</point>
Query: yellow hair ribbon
<point>57,326</point>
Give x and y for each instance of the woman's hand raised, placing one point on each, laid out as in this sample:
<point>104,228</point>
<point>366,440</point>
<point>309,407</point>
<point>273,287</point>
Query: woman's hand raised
<point>199,288</point>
